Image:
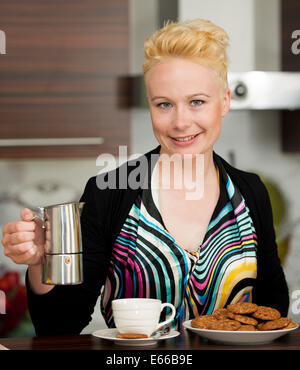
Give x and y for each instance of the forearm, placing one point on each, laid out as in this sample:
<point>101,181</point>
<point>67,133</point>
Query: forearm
<point>65,309</point>
<point>62,310</point>
<point>35,280</point>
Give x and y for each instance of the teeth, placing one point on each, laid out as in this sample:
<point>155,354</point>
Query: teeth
<point>186,138</point>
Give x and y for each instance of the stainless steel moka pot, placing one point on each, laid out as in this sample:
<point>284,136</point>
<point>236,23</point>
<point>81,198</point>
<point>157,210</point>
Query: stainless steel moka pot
<point>63,244</point>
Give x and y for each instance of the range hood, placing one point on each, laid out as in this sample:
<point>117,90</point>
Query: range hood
<point>254,90</point>
<point>262,90</point>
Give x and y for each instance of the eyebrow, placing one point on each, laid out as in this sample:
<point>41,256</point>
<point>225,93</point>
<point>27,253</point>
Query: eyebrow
<point>201,93</point>
<point>189,96</point>
<point>158,97</point>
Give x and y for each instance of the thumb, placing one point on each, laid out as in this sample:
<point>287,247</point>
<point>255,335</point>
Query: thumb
<point>27,214</point>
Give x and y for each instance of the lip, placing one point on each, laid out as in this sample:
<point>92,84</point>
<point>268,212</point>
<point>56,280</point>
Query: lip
<point>185,143</point>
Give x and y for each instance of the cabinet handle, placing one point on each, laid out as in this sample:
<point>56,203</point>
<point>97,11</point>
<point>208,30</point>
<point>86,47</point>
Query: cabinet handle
<point>52,141</point>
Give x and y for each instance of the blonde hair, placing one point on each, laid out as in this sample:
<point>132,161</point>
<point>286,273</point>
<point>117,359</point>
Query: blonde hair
<point>198,40</point>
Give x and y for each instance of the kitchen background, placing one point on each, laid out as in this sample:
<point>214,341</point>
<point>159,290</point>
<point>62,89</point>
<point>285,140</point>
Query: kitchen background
<point>251,140</point>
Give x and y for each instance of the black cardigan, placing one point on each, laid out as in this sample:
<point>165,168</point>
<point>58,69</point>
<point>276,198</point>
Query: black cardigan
<point>68,309</point>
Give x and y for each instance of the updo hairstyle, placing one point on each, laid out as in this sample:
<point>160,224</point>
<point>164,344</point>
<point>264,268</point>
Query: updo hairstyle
<point>197,40</point>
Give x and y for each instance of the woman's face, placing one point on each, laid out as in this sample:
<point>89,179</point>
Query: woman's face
<point>186,106</point>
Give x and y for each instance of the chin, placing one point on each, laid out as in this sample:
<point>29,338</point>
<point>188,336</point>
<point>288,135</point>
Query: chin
<point>190,150</point>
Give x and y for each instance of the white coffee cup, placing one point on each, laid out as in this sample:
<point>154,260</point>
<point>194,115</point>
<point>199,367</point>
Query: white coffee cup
<point>139,315</point>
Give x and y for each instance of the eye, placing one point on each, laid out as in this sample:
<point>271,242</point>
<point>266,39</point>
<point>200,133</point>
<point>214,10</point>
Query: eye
<point>196,103</point>
<point>164,105</point>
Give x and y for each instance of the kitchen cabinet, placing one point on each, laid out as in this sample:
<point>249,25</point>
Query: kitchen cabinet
<point>290,61</point>
<point>61,88</point>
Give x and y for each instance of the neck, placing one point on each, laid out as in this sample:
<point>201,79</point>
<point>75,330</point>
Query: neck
<point>183,173</point>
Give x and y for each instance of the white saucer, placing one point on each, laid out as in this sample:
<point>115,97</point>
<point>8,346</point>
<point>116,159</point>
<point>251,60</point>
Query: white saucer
<point>238,337</point>
<point>111,334</point>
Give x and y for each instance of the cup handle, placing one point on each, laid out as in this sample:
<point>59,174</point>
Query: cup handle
<point>160,324</point>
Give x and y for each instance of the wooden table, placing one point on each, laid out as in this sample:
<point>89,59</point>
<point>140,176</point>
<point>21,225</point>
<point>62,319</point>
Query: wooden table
<point>187,351</point>
<point>186,341</point>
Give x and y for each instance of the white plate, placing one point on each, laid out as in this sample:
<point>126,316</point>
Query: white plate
<point>238,337</point>
<point>111,334</point>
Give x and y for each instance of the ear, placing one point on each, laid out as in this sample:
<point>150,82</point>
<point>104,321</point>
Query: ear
<point>226,102</point>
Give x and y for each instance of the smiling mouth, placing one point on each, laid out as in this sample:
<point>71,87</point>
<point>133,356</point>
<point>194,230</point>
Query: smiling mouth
<point>186,138</point>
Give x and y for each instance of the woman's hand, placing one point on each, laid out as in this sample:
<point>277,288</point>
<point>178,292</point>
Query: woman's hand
<point>23,240</point>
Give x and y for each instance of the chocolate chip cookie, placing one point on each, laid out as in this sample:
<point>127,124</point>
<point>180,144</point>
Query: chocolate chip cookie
<point>243,319</point>
<point>131,335</point>
<point>266,313</point>
<point>247,328</point>
<point>276,324</point>
<point>242,308</point>
<point>226,324</point>
<point>203,322</point>
<point>220,313</point>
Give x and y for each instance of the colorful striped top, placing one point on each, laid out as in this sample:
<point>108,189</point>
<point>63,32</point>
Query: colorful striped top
<point>146,262</point>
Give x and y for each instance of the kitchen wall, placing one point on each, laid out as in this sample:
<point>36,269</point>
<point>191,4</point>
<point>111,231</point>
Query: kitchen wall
<point>37,182</point>
<point>250,140</point>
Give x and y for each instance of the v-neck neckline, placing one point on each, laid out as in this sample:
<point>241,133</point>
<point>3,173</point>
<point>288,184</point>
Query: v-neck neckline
<point>151,199</point>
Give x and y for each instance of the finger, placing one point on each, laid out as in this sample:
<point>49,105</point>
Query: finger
<point>21,237</point>
<point>47,226</point>
<point>17,226</point>
<point>5,239</point>
<point>20,249</point>
<point>9,228</point>
<point>27,214</point>
<point>25,258</point>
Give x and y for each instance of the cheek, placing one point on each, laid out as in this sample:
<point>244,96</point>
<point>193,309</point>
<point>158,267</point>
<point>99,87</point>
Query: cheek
<point>159,122</point>
<point>216,125</point>
<point>156,127</point>
<point>206,120</point>
<point>214,117</point>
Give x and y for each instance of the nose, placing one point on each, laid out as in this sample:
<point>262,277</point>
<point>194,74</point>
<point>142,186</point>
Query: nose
<point>181,118</point>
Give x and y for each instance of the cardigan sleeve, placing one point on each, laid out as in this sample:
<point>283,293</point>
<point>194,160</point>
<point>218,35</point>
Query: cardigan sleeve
<point>67,309</point>
<point>271,287</point>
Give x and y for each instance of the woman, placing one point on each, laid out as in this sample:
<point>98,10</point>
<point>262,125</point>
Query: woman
<point>200,249</point>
